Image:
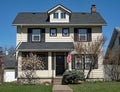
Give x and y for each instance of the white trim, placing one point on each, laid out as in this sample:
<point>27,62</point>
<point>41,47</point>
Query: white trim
<point>58,7</point>
<point>33,35</point>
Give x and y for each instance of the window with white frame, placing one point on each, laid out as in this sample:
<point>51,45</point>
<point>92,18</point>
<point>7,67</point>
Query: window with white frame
<point>36,34</point>
<point>65,32</point>
<point>53,32</point>
<point>55,15</point>
<point>63,15</point>
<point>82,34</point>
<point>84,61</point>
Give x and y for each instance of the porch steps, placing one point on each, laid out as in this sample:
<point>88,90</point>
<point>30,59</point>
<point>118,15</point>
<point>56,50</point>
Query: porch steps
<point>61,88</point>
<point>57,81</point>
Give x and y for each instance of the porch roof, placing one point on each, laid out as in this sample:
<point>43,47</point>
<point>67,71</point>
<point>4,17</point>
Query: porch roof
<point>47,46</point>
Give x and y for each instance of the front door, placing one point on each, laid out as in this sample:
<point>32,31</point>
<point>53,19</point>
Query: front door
<point>60,65</point>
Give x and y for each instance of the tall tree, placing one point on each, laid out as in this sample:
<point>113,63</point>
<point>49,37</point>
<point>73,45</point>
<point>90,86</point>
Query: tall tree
<point>91,50</point>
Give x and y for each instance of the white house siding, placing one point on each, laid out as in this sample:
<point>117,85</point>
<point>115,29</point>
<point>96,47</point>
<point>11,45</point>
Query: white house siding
<point>9,75</point>
<point>97,73</point>
<point>22,34</point>
<point>59,37</point>
<point>96,32</point>
<point>59,11</point>
<point>22,37</point>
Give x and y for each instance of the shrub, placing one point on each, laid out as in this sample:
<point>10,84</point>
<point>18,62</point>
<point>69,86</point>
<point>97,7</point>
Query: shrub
<point>71,77</point>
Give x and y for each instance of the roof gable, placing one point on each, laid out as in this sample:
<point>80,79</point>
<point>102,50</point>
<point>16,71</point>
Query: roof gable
<point>114,37</point>
<point>57,7</point>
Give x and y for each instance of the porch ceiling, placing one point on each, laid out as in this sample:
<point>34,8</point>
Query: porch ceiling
<point>48,46</point>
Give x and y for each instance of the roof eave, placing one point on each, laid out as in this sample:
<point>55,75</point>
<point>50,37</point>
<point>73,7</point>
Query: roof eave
<point>59,24</point>
<point>43,50</point>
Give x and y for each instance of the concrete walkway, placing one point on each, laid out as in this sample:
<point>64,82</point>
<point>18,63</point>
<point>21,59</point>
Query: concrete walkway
<point>61,88</point>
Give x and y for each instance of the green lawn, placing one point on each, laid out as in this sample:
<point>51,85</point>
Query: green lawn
<point>25,88</point>
<point>97,87</point>
<point>85,87</point>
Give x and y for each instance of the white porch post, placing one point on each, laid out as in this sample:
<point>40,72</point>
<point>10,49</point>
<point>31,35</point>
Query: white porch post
<point>70,66</point>
<point>19,60</point>
<point>49,61</point>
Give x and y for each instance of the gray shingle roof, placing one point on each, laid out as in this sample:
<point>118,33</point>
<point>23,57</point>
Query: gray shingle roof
<point>27,18</point>
<point>48,46</point>
<point>9,62</point>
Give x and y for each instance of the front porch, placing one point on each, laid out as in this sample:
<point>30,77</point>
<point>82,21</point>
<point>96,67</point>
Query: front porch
<point>55,63</point>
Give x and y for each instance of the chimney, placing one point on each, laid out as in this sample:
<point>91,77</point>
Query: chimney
<point>93,8</point>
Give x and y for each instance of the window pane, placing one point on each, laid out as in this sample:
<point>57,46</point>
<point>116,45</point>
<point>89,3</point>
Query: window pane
<point>36,35</point>
<point>55,15</point>
<point>82,34</point>
<point>53,32</point>
<point>36,38</point>
<point>63,15</point>
<point>65,32</point>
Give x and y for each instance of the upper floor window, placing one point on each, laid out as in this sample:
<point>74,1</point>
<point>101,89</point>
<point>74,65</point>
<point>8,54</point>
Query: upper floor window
<point>36,34</point>
<point>65,32</point>
<point>82,34</point>
<point>63,15</point>
<point>53,32</point>
<point>55,15</point>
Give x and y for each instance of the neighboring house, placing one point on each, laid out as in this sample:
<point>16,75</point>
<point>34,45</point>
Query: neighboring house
<point>10,68</point>
<point>112,57</point>
<point>1,65</point>
<point>115,39</point>
<point>51,35</point>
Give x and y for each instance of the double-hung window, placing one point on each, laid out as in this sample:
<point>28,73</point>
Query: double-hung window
<point>82,34</point>
<point>53,32</point>
<point>63,15</point>
<point>85,61</point>
<point>36,35</point>
<point>55,15</point>
<point>65,32</point>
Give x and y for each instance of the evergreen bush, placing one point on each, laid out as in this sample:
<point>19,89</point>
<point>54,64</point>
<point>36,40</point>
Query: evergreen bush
<point>71,77</point>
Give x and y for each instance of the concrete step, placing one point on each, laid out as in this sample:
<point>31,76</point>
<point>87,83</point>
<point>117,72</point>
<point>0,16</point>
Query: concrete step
<point>57,81</point>
<point>61,88</point>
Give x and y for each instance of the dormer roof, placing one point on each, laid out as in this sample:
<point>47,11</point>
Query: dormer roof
<point>57,7</point>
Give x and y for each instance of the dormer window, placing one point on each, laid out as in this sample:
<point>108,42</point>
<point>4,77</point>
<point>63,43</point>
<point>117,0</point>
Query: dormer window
<point>59,14</point>
<point>63,15</point>
<point>55,15</point>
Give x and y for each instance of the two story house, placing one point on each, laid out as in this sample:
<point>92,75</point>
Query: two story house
<point>51,34</point>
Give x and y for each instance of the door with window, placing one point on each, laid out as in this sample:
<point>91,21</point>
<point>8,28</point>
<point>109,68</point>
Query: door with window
<point>60,65</point>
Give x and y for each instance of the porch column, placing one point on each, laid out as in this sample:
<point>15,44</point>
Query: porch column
<point>49,60</point>
<point>70,66</point>
<point>19,60</point>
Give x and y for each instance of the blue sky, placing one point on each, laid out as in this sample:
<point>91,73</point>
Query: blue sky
<point>109,9</point>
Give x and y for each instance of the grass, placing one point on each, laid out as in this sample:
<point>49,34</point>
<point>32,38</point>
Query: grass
<point>85,87</point>
<point>97,87</point>
<point>24,88</point>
